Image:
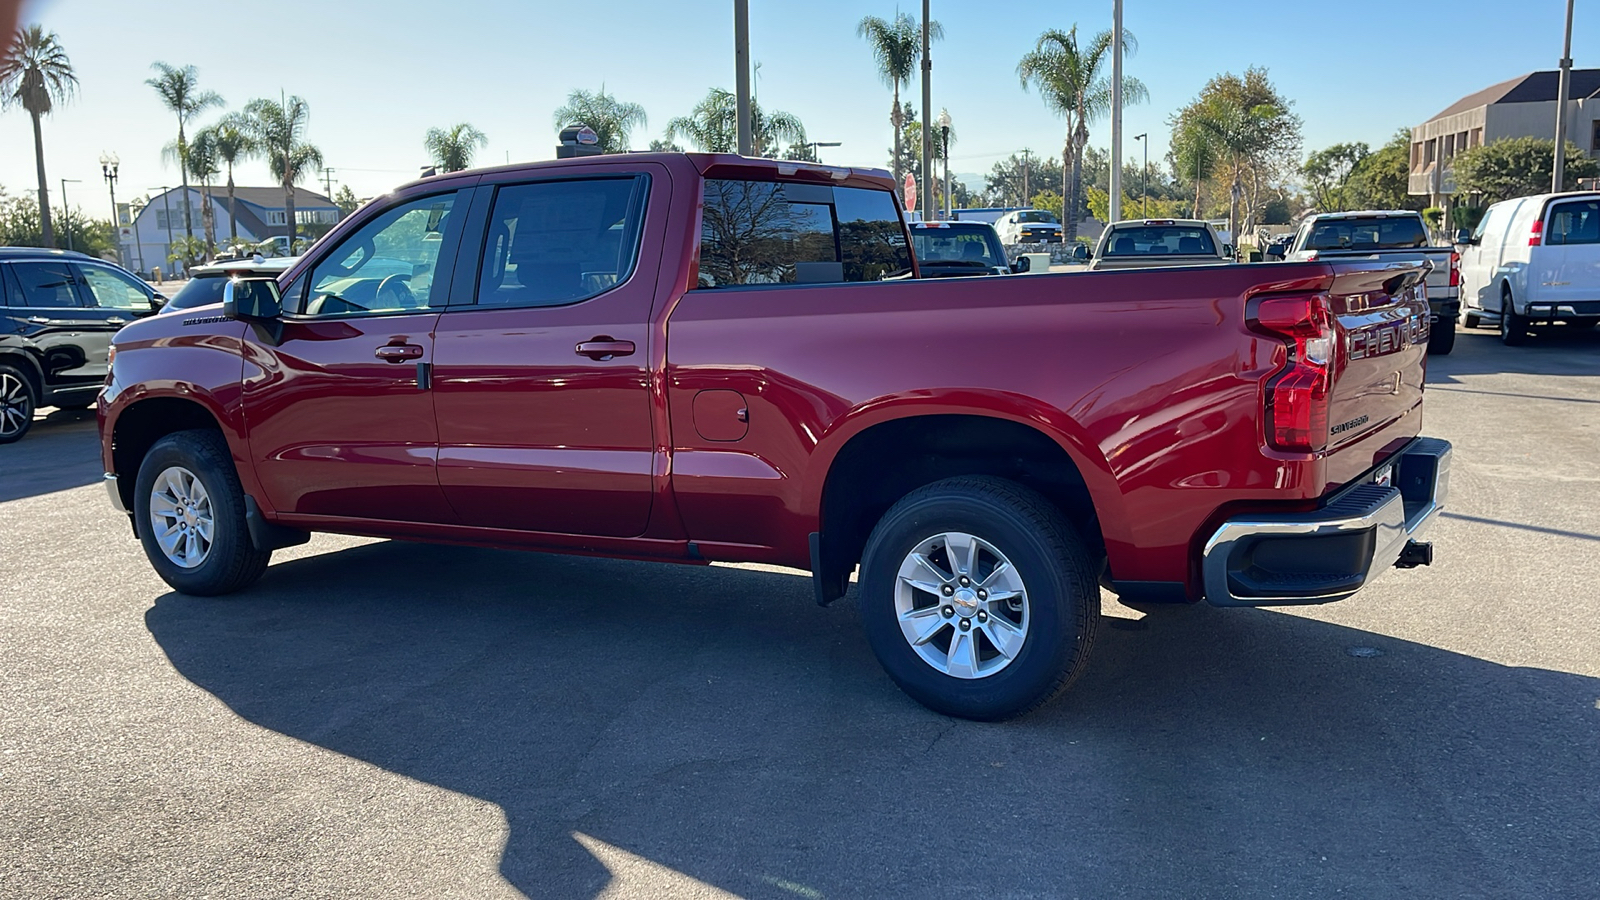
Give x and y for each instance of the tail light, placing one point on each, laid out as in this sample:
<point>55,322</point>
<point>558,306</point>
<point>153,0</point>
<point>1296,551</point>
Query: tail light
<point>1455,269</point>
<point>1297,395</point>
<point>1536,235</point>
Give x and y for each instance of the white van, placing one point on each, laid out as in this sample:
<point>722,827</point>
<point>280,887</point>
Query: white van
<point>1533,261</point>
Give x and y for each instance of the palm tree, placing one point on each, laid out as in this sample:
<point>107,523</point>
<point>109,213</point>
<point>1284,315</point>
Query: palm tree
<point>179,90</point>
<point>713,125</point>
<point>1072,80</point>
<point>278,128</point>
<point>1237,132</point>
<point>36,75</point>
<point>1193,153</point>
<point>452,150</point>
<point>896,48</point>
<point>234,144</point>
<point>204,166</point>
<point>611,119</point>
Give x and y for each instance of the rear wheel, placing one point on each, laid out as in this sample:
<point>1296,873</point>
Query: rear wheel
<point>979,598</point>
<point>190,512</point>
<point>1513,328</point>
<point>17,403</point>
<point>1442,339</point>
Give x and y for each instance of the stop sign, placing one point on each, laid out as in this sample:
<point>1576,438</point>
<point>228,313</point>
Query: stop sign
<point>911,191</point>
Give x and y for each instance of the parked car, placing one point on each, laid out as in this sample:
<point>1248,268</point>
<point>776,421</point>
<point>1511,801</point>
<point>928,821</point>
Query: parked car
<point>206,282</point>
<point>1159,243</point>
<point>1533,261</point>
<point>1029,226</point>
<point>58,311</point>
<point>956,249</point>
<point>1389,234</point>
<point>695,357</point>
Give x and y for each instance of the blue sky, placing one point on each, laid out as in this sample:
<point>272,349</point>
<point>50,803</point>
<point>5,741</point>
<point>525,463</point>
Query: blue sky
<point>378,74</point>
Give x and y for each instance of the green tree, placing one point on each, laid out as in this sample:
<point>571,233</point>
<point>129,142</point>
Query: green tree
<point>1051,201</point>
<point>713,126</point>
<point>180,92</point>
<point>346,200</point>
<point>453,150</point>
<point>234,142</point>
<point>37,76</point>
<point>21,225</point>
<point>1328,171</point>
<point>1071,79</point>
<point>664,146</point>
<point>205,166</point>
<point>897,48</point>
<point>1233,103</point>
<point>1382,179</point>
<point>1011,183</point>
<point>611,119</point>
<point>279,129</point>
<point>1517,167</point>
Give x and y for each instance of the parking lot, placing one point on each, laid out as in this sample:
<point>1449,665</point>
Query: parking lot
<point>380,719</point>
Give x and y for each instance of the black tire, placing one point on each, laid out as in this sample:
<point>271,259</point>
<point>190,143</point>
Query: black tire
<point>18,400</point>
<point>232,561</point>
<point>1442,339</point>
<point>1063,599</point>
<point>1513,328</point>
<point>1472,320</point>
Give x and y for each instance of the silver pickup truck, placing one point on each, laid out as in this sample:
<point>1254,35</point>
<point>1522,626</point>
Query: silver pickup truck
<point>1397,235</point>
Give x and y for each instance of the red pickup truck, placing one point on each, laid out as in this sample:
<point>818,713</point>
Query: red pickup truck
<point>706,357</point>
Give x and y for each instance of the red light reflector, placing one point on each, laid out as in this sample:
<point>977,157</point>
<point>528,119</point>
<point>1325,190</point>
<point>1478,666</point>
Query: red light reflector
<point>1536,236</point>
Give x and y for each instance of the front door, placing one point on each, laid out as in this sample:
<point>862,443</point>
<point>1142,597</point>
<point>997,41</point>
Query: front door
<point>56,313</point>
<point>541,380</point>
<point>339,412</point>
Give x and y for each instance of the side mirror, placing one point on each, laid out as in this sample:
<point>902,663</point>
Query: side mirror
<point>1080,252</point>
<point>157,301</point>
<point>1021,264</point>
<point>1463,236</point>
<point>252,299</point>
<point>1227,250</point>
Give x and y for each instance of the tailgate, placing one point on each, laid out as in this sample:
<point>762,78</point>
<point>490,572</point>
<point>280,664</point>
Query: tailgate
<point>1380,320</point>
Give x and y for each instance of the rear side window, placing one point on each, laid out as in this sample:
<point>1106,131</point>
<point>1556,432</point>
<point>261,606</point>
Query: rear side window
<point>1377,233</point>
<point>1161,240</point>
<point>1575,223</point>
<point>557,242</point>
<point>762,232</point>
<point>45,285</point>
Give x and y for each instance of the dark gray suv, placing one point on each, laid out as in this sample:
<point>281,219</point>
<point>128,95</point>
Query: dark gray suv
<point>58,311</point>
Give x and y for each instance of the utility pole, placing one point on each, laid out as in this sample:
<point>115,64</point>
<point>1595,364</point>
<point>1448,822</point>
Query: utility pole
<point>927,121</point>
<point>66,211</point>
<point>1026,194</point>
<point>1144,175</point>
<point>1559,175</point>
<point>327,179</point>
<point>741,61</point>
<point>1116,111</point>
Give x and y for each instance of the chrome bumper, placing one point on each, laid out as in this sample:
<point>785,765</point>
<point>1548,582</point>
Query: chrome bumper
<point>116,493</point>
<point>1330,553</point>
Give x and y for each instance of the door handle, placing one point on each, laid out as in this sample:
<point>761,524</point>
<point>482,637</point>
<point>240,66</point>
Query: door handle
<point>604,347</point>
<point>395,353</point>
<point>39,320</point>
<point>116,320</point>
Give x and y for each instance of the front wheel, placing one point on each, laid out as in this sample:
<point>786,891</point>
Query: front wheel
<point>979,598</point>
<point>189,508</point>
<point>17,404</point>
<point>1442,339</point>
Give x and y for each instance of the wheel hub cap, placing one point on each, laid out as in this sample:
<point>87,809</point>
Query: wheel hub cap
<point>962,605</point>
<point>181,517</point>
<point>966,603</point>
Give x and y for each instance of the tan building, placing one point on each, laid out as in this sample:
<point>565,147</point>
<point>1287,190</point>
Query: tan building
<point>1525,106</point>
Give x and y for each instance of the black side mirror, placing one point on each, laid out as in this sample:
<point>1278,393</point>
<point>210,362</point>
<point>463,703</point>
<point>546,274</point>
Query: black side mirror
<point>1021,264</point>
<point>1463,236</point>
<point>1080,252</point>
<point>1227,250</point>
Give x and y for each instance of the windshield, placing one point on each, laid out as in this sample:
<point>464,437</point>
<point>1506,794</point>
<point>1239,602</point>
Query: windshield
<point>1376,233</point>
<point>972,245</point>
<point>1036,215</point>
<point>200,291</point>
<point>1184,240</point>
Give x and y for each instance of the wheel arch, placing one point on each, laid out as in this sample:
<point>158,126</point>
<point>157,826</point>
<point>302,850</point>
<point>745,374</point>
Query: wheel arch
<point>139,424</point>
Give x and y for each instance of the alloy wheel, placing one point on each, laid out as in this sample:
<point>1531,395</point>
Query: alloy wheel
<point>182,518</point>
<point>962,605</point>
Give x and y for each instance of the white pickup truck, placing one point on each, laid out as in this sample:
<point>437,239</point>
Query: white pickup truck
<point>1397,235</point>
<point>1160,243</point>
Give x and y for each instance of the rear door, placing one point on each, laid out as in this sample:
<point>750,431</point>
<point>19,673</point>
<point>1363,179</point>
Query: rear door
<point>57,315</point>
<point>1570,264</point>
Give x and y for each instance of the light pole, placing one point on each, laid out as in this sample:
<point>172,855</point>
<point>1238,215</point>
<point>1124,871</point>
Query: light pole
<point>1559,175</point>
<point>927,133</point>
<point>167,209</point>
<point>1144,176</point>
<point>66,211</point>
<point>817,157</point>
<point>108,168</point>
<point>944,132</point>
<point>1116,111</point>
<point>135,209</point>
<point>741,61</point>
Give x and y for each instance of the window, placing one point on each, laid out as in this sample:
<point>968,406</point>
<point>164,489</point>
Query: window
<point>387,265</point>
<point>1378,233</point>
<point>1575,223</point>
<point>557,242</point>
<point>1594,139</point>
<point>278,217</point>
<point>46,285</point>
<point>166,218</point>
<point>1161,240</point>
<point>113,290</point>
<point>971,246</point>
<point>1036,215</point>
<point>762,232</point>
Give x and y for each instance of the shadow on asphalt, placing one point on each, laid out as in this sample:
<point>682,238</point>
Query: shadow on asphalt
<point>716,722</point>
<point>1551,351</point>
<point>61,451</point>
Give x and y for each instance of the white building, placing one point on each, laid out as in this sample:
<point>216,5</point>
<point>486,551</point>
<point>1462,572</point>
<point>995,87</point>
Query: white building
<point>260,214</point>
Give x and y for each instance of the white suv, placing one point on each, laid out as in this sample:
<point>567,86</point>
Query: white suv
<point>1533,261</point>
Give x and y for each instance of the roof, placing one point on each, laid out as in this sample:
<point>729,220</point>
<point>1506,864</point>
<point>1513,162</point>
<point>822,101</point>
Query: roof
<point>709,165</point>
<point>268,265</point>
<point>1534,87</point>
<point>40,253</point>
<point>1369,214</point>
<point>272,197</point>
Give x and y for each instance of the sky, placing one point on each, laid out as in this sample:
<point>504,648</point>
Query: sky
<point>378,73</point>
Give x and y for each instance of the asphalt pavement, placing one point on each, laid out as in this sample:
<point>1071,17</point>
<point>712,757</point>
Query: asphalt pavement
<point>382,719</point>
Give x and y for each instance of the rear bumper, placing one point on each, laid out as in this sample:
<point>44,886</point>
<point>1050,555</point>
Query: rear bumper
<point>1538,311</point>
<point>1330,553</point>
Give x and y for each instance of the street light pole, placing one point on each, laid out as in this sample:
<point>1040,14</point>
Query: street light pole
<point>944,129</point>
<point>108,168</point>
<point>927,118</point>
<point>1559,175</point>
<point>1144,176</point>
<point>1116,111</point>
<point>167,208</point>
<point>815,145</point>
<point>741,60</point>
<point>66,211</point>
